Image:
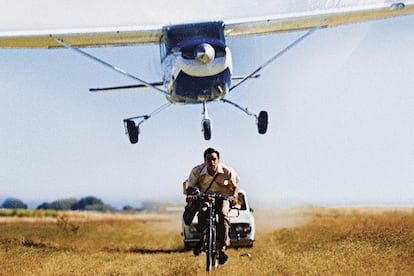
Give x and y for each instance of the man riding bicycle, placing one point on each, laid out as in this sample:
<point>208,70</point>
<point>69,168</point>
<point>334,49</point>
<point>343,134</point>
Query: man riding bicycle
<point>215,177</point>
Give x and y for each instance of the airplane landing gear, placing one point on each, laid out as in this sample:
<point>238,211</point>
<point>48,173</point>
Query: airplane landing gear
<point>262,122</point>
<point>207,129</point>
<point>206,123</point>
<point>261,119</point>
<point>132,129</point>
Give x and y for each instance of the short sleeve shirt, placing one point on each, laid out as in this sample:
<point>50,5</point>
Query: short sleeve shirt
<point>225,182</point>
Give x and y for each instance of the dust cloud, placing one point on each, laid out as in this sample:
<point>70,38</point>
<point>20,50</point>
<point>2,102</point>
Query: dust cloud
<point>267,220</point>
<point>272,219</point>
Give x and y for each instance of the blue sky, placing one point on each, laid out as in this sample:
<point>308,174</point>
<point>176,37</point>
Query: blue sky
<point>341,126</point>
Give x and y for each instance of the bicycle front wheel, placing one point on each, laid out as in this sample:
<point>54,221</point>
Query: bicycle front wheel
<point>211,252</point>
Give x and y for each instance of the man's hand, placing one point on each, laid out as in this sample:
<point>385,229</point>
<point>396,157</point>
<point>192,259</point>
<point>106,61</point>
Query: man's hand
<point>235,200</point>
<point>236,206</point>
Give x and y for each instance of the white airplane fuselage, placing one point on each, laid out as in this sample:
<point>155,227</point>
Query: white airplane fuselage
<point>196,62</point>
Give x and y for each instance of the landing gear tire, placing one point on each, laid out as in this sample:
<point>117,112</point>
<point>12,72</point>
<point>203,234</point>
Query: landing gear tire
<point>207,129</point>
<point>133,131</point>
<point>262,122</point>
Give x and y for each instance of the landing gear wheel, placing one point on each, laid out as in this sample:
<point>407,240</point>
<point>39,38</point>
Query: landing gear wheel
<point>262,122</point>
<point>207,129</point>
<point>133,131</point>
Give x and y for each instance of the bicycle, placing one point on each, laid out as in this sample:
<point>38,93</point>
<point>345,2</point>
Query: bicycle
<point>210,242</point>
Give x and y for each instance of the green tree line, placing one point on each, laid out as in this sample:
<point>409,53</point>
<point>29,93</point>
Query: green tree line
<point>89,203</point>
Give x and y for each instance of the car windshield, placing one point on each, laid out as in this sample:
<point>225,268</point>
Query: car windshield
<point>242,201</point>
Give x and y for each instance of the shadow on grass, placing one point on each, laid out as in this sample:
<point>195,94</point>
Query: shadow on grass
<point>8,243</point>
<point>156,251</point>
<point>146,250</point>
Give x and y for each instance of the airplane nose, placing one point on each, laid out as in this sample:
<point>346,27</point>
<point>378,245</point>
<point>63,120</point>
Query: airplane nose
<point>204,53</point>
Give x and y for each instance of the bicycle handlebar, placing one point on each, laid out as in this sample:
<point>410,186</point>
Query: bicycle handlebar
<point>209,194</point>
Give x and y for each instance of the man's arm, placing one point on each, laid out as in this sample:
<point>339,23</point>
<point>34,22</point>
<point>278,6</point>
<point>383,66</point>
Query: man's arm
<point>185,186</point>
<point>194,176</point>
<point>235,181</point>
<point>190,181</point>
<point>236,195</point>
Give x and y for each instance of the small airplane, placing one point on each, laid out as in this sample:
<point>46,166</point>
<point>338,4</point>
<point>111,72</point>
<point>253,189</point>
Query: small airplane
<point>196,61</point>
<point>197,69</point>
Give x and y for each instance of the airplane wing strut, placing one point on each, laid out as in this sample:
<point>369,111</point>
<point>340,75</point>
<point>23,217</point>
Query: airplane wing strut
<point>119,70</point>
<point>280,53</point>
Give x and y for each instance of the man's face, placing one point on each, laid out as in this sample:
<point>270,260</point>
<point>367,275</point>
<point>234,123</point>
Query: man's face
<point>212,161</point>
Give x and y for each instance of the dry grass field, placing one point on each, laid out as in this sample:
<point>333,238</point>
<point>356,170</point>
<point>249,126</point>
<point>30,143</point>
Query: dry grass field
<point>300,241</point>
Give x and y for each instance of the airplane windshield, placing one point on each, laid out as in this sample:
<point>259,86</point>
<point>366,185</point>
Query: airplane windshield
<point>173,35</point>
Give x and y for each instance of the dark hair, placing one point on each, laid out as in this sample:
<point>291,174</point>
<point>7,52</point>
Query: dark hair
<point>210,151</point>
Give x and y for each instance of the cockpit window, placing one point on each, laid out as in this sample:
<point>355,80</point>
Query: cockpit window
<point>175,34</point>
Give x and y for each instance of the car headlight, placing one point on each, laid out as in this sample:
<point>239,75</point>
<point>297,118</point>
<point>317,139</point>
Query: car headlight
<point>242,228</point>
<point>193,229</point>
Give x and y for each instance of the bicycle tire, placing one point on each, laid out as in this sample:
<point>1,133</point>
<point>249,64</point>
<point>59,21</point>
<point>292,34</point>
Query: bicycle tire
<point>209,244</point>
<point>214,251</point>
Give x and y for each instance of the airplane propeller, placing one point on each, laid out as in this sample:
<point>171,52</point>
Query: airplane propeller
<point>204,53</point>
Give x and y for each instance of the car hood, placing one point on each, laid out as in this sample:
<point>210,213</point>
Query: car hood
<point>244,217</point>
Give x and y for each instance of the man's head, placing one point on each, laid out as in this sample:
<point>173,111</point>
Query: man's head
<point>211,160</point>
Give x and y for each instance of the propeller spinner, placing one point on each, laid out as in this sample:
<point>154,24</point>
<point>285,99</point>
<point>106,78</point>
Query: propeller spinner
<point>204,53</point>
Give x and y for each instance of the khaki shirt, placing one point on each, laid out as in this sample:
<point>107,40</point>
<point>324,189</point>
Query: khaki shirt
<point>225,182</point>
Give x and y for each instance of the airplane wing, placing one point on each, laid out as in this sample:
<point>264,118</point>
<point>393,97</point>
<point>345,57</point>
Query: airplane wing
<point>309,19</point>
<point>95,23</point>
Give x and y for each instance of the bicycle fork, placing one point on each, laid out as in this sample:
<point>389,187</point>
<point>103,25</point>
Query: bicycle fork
<point>211,237</point>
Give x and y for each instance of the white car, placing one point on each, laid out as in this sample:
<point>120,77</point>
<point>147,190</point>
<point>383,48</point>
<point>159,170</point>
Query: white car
<point>242,229</point>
